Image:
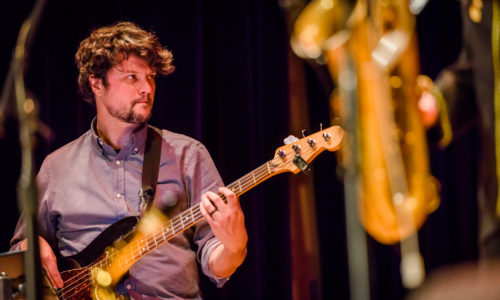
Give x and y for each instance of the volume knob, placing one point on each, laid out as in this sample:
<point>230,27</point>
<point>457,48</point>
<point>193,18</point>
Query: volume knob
<point>102,277</point>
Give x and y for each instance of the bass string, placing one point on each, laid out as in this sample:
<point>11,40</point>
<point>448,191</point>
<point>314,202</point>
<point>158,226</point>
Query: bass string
<point>175,222</point>
<point>76,280</point>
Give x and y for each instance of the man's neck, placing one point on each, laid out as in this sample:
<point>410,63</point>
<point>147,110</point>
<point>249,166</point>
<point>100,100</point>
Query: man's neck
<point>116,134</point>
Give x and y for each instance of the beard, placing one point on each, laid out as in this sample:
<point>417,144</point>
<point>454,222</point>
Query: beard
<point>127,114</point>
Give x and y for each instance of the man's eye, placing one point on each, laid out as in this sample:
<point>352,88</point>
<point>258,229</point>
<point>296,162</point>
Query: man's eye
<point>131,76</point>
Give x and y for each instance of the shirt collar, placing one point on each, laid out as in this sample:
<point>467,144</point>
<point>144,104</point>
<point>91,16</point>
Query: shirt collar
<point>133,146</point>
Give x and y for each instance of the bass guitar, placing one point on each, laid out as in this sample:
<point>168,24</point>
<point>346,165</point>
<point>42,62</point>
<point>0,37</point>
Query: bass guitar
<point>95,271</point>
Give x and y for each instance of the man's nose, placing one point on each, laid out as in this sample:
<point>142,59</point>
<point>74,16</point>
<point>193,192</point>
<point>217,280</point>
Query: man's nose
<point>147,86</point>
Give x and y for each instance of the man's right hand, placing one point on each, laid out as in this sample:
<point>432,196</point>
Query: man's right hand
<point>49,261</point>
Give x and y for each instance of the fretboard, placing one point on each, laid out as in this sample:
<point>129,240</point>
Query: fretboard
<point>120,261</point>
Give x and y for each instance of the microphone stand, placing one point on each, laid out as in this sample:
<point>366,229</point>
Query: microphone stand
<point>26,189</point>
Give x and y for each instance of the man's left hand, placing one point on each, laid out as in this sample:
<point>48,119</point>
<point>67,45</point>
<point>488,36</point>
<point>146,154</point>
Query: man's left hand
<point>226,219</point>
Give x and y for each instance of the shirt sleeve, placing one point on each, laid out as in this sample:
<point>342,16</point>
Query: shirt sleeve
<point>46,226</point>
<point>202,176</point>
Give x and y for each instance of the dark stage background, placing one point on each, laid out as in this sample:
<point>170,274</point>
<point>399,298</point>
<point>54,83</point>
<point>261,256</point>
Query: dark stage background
<point>230,90</point>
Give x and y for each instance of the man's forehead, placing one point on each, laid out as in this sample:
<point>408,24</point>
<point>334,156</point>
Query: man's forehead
<point>133,63</point>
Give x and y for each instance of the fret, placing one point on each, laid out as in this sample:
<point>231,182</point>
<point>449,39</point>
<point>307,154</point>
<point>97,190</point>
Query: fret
<point>192,217</point>
<point>139,248</point>
<point>106,260</point>
<point>120,264</point>
<point>253,176</point>
<point>126,261</point>
<point>138,253</point>
<point>127,253</point>
<point>187,220</point>
<point>246,184</point>
<point>239,184</point>
<point>163,233</point>
<point>132,253</point>
<point>172,228</point>
<point>91,277</point>
<point>268,168</point>
<point>182,223</point>
<point>143,250</point>
<point>154,237</point>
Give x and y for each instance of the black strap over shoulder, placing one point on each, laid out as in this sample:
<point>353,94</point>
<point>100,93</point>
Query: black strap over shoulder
<point>150,167</point>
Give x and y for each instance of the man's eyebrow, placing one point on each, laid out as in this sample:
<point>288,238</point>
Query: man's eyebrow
<point>122,70</point>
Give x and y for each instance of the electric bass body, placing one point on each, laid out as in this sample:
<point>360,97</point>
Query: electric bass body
<point>78,281</point>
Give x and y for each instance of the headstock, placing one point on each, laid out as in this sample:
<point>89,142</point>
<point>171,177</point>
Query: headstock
<point>295,156</point>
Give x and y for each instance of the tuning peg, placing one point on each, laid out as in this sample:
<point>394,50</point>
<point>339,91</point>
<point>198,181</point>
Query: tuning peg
<point>282,153</point>
<point>326,136</point>
<point>303,132</point>
<point>311,142</point>
<point>290,139</point>
<point>296,148</point>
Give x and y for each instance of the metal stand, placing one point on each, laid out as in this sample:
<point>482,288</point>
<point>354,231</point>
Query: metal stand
<point>27,194</point>
<point>5,287</point>
<point>357,249</point>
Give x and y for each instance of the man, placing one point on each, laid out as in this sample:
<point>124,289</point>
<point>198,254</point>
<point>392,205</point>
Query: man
<point>469,91</point>
<point>92,182</point>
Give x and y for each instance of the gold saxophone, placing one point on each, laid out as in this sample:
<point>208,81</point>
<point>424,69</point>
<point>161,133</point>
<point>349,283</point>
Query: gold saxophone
<point>378,39</point>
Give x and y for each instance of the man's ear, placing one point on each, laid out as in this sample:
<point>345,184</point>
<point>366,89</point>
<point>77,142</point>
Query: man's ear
<point>96,85</point>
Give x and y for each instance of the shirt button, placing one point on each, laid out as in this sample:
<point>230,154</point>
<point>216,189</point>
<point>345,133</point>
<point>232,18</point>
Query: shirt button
<point>118,195</point>
<point>117,162</point>
<point>136,150</point>
<point>128,287</point>
<point>100,142</point>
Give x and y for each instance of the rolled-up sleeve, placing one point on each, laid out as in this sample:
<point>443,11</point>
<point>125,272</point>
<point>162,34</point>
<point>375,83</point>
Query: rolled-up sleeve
<point>202,177</point>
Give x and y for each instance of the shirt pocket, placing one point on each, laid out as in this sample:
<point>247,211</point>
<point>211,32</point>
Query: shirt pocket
<point>170,197</point>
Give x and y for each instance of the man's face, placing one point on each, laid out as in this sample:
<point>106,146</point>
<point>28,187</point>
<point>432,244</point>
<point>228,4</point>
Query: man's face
<point>129,93</point>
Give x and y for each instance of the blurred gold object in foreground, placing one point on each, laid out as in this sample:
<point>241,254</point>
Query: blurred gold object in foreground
<point>375,40</point>
<point>148,227</point>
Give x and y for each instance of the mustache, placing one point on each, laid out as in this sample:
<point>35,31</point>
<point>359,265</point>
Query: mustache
<point>147,99</point>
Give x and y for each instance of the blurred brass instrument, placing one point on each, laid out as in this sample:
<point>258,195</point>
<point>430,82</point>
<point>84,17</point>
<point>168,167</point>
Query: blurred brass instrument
<point>370,49</point>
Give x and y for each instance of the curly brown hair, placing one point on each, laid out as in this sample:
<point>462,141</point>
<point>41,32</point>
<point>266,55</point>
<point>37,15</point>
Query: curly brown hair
<point>107,46</point>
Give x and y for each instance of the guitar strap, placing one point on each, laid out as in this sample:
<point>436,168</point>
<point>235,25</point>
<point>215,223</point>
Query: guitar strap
<point>150,167</point>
